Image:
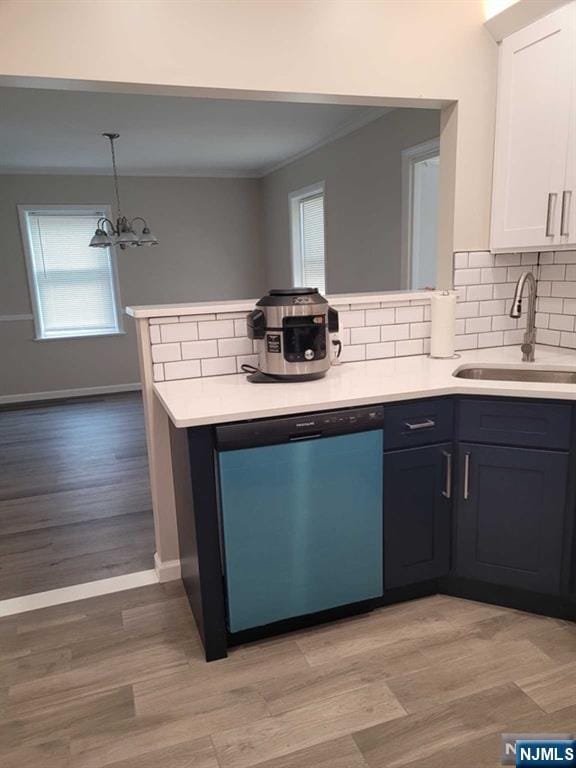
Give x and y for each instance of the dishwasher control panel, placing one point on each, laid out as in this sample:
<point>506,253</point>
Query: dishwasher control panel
<point>292,428</point>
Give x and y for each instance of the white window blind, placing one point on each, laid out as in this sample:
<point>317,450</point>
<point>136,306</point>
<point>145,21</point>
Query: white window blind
<point>73,284</point>
<point>312,229</point>
<point>309,263</point>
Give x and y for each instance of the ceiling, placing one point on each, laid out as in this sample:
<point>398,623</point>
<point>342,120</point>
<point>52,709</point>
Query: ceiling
<point>43,131</point>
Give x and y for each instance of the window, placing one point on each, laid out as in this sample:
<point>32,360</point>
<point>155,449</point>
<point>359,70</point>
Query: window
<point>73,286</point>
<point>307,222</point>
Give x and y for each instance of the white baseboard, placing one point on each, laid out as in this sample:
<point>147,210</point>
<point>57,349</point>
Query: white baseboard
<point>78,592</point>
<point>169,570</point>
<point>60,394</point>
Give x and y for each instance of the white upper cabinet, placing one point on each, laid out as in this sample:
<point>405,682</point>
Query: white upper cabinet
<point>534,192</point>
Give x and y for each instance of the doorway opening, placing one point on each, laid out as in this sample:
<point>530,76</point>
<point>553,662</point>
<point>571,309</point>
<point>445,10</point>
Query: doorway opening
<point>420,177</point>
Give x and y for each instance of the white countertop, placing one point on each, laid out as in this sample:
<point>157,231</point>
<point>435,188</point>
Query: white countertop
<point>219,399</point>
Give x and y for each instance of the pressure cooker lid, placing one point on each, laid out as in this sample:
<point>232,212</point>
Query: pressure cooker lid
<point>292,291</point>
<point>286,297</point>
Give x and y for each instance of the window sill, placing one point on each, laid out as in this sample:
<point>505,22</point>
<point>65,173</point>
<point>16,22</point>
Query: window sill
<point>80,336</point>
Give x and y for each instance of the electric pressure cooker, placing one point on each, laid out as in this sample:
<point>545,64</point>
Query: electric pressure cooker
<point>292,328</point>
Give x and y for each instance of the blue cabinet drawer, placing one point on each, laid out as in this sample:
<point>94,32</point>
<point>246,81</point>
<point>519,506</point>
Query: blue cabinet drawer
<point>530,425</point>
<point>419,422</point>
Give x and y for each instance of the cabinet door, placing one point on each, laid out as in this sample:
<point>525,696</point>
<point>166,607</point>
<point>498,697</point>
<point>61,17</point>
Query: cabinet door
<point>568,199</point>
<point>510,516</point>
<point>532,133</point>
<point>417,503</point>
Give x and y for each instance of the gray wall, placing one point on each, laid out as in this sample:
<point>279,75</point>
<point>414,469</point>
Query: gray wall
<point>209,232</point>
<point>363,203</point>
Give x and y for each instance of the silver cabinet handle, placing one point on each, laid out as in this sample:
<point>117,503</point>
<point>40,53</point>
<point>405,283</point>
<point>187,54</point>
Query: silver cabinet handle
<point>565,215</point>
<point>551,197</point>
<point>447,492</point>
<point>466,476</point>
<point>426,424</point>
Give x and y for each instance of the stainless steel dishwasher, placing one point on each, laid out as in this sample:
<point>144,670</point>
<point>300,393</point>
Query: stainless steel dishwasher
<point>301,514</point>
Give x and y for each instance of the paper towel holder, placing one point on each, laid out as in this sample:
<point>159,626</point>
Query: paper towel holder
<point>456,355</point>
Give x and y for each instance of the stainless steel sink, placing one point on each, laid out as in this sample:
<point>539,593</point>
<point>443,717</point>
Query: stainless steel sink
<point>485,373</point>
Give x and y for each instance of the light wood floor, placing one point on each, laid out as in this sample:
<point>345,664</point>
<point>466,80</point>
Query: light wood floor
<point>120,681</point>
<point>74,493</point>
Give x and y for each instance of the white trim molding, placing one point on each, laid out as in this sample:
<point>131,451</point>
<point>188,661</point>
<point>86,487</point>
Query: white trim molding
<point>169,570</point>
<point>15,318</point>
<point>63,394</point>
<point>63,595</point>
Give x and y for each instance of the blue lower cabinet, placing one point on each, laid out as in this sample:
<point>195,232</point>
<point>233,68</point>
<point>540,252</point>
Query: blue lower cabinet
<point>417,514</point>
<point>511,514</point>
<point>302,527</point>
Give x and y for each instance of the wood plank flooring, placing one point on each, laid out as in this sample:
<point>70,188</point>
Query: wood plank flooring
<point>120,681</point>
<point>74,493</point>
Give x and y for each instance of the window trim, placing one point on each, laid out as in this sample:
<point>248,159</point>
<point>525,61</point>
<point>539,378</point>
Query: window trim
<point>106,210</point>
<point>297,256</point>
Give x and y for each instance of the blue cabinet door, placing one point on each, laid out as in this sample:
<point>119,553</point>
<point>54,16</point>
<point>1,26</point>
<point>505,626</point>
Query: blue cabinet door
<point>511,516</point>
<point>302,527</point>
<point>417,510</point>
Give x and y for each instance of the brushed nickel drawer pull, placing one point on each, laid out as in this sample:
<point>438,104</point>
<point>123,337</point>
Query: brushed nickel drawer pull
<point>565,215</point>
<point>447,492</point>
<point>551,197</point>
<point>426,424</point>
<point>466,476</point>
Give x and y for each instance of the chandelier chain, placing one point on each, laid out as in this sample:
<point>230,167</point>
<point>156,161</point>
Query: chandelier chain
<point>115,171</point>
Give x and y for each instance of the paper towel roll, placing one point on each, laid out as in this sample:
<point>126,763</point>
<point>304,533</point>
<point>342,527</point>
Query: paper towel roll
<point>443,316</point>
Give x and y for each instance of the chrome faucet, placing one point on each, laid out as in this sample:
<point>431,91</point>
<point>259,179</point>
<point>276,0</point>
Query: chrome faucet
<point>530,335</point>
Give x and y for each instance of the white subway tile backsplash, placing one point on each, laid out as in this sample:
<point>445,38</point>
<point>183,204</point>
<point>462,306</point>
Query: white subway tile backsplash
<point>569,306</point>
<point>162,320</point>
<point>366,335</point>
<point>352,319</point>
<point>544,304</point>
<point>529,259</point>
<point>513,337</point>
<point>394,332</point>
<point>231,315</point>
<point>504,290</point>
<point>187,369</point>
<point>567,340</point>
<point>236,346</point>
<point>480,259</point>
<point>547,257</point>
<point>461,260</point>
<point>544,288</point>
<point>158,371</point>
<point>565,257</point>
<point>380,316</point>
<point>420,330</point>
<point>217,329</point>
<point>504,323</point>
<point>564,289</point>
<point>155,337</point>
<point>542,319</point>
<point>467,309</point>
<point>197,318</point>
<point>384,349</point>
<point>495,307</point>
<point>561,322</point>
<point>353,353</point>
<point>196,350</point>
<point>467,341</point>
<point>412,347</point>
<point>553,272</point>
<point>544,336</point>
<point>480,292</point>
<point>478,324</point>
<point>409,314</point>
<point>240,327</point>
<point>218,366</point>
<point>507,259</point>
<point>179,332</point>
<point>164,353</point>
<point>494,274</point>
<point>468,277</point>
<point>493,339</point>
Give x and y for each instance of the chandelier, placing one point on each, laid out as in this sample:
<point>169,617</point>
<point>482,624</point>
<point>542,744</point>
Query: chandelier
<point>121,233</point>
